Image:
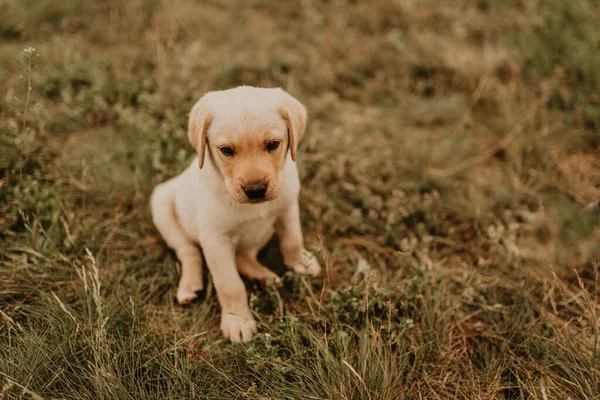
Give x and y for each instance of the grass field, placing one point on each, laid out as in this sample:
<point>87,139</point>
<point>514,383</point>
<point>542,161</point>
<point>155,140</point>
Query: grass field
<point>450,170</point>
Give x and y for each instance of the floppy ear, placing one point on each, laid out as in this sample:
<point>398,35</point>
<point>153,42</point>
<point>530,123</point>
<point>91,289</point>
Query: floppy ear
<point>200,119</point>
<point>294,115</point>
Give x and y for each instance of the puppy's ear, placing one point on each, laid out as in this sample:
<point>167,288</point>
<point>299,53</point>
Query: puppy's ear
<point>200,119</point>
<point>294,115</point>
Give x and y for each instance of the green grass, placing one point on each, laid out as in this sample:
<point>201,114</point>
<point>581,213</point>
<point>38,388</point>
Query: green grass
<point>451,150</point>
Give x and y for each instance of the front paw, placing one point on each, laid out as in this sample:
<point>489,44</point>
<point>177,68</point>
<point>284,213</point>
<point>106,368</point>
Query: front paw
<point>237,327</point>
<point>188,289</point>
<point>308,264</point>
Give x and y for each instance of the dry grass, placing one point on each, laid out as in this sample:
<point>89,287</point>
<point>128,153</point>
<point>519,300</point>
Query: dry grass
<point>451,151</point>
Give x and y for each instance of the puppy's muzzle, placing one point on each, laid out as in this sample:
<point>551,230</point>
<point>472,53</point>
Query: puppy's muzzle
<point>255,191</point>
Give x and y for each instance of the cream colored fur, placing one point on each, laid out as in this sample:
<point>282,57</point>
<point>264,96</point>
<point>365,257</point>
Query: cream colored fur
<point>206,204</point>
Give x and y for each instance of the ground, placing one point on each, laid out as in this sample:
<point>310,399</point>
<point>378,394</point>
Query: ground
<point>449,170</point>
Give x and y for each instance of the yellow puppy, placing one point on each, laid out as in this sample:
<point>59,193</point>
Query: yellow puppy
<point>242,187</point>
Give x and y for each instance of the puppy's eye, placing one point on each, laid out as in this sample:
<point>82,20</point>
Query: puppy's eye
<point>272,145</point>
<point>227,151</point>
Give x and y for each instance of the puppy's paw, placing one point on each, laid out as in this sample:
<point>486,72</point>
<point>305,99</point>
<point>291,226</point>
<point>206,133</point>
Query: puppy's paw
<point>272,281</point>
<point>267,277</point>
<point>308,265</point>
<point>238,328</point>
<point>261,274</point>
<point>187,290</point>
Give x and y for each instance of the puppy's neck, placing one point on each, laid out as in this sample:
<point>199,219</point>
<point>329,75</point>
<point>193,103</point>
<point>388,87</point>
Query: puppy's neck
<point>211,176</point>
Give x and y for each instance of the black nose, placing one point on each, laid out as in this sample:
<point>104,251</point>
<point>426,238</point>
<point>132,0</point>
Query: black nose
<point>255,191</point>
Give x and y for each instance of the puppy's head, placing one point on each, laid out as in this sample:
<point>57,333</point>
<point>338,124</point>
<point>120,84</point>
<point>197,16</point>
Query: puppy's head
<point>246,134</point>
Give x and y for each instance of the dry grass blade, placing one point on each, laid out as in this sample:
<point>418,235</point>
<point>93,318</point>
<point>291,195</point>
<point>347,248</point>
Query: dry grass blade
<point>12,381</point>
<point>351,368</point>
<point>486,154</point>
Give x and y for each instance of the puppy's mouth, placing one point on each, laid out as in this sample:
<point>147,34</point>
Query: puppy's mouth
<point>245,200</point>
<point>258,201</point>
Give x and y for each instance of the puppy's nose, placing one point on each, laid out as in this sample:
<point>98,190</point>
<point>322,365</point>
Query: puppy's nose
<point>256,190</point>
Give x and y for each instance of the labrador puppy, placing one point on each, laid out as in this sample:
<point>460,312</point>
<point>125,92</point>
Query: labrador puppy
<point>241,189</point>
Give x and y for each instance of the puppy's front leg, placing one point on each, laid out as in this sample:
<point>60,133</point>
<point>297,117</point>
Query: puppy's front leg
<point>291,243</point>
<point>237,322</point>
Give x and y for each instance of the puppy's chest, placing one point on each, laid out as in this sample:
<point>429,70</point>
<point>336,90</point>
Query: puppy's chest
<point>244,225</point>
<point>253,233</point>
<point>248,219</point>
